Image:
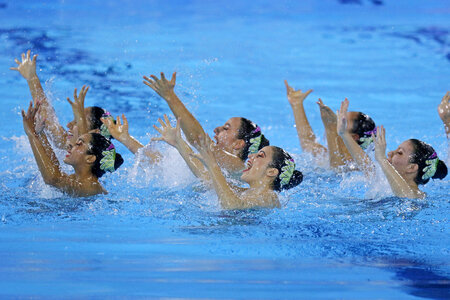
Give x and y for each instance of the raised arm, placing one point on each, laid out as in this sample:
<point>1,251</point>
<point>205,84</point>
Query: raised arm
<point>337,152</point>
<point>45,157</point>
<point>305,133</point>
<point>227,196</point>
<point>119,131</point>
<point>172,136</point>
<point>79,113</point>
<point>398,184</point>
<point>444,113</point>
<point>358,154</point>
<point>27,68</point>
<point>190,126</point>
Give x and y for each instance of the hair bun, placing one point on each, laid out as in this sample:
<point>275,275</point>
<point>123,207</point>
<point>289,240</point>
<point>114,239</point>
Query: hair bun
<point>296,179</point>
<point>118,161</point>
<point>441,171</point>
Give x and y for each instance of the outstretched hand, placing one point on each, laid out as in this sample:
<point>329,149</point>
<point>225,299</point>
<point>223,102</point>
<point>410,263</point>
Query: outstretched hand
<point>380,143</point>
<point>78,108</point>
<point>342,117</point>
<point>444,109</point>
<point>26,68</point>
<point>118,130</point>
<point>295,97</point>
<point>29,124</point>
<point>162,86</point>
<point>168,133</point>
<point>327,115</point>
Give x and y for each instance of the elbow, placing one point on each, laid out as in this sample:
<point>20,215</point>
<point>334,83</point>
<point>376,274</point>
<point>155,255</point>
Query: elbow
<point>51,180</point>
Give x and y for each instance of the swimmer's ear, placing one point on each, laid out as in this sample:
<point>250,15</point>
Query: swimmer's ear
<point>90,159</point>
<point>238,144</point>
<point>272,172</point>
<point>355,136</point>
<point>412,168</point>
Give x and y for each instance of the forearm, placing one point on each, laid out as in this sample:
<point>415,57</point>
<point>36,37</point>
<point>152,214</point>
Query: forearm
<point>130,142</point>
<point>45,158</point>
<point>305,133</point>
<point>334,154</point>
<point>398,185</point>
<point>58,134</point>
<point>361,158</point>
<point>227,197</point>
<point>36,90</point>
<point>189,124</point>
<point>196,167</point>
<point>447,128</point>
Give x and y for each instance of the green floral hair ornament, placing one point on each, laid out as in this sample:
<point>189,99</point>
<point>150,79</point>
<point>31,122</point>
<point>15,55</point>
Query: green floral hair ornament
<point>104,129</point>
<point>431,167</point>
<point>286,171</point>
<point>109,159</point>
<point>367,140</point>
<point>254,144</point>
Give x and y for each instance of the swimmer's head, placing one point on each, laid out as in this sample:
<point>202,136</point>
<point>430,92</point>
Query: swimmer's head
<point>241,136</point>
<point>95,150</point>
<point>428,163</point>
<point>94,124</point>
<point>361,127</point>
<point>273,165</point>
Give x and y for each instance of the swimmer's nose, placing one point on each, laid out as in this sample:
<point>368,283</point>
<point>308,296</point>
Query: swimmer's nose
<point>390,153</point>
<point>216,130</point>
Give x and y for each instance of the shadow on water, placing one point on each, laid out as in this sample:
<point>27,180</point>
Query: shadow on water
<point>419,279</point>
<point>361,2</point>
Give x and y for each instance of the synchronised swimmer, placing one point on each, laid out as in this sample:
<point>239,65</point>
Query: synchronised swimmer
<point>239,148</point>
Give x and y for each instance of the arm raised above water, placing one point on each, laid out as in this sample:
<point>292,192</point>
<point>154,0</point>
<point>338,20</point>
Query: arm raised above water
<point>444,113</point>
<point>189,124</point>
<point>305,133</point>
<point>357,153</point>
<point>27,68</point>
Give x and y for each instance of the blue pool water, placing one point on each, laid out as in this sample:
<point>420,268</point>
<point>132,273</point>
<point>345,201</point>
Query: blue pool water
<point>158,234</point>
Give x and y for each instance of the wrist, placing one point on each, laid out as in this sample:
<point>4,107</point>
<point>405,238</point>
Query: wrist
<point>123,138</point>
<point>32,78</point>
<point>296,103</point>
<point>169,95</point>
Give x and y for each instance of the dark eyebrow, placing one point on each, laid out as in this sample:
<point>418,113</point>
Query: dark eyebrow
<point>263,152</point>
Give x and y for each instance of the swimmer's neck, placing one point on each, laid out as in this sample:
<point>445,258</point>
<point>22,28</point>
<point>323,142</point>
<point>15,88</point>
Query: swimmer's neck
<point>84,173</point>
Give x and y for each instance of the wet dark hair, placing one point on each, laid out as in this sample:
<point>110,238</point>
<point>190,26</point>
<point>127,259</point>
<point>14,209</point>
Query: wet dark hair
<point>247,132</point>
<point>95,116</point>
<point>96,123</point>
<point>363,125</point>
<point>279,160</point>
<point>98,145</point>
<point>423,152</point>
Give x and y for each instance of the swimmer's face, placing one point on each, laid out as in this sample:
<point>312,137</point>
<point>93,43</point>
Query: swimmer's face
<point>401,157</point>
<point>226,135</point>
<point>351,117</point>
<point>258,165</point>
<point>77,154</point>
